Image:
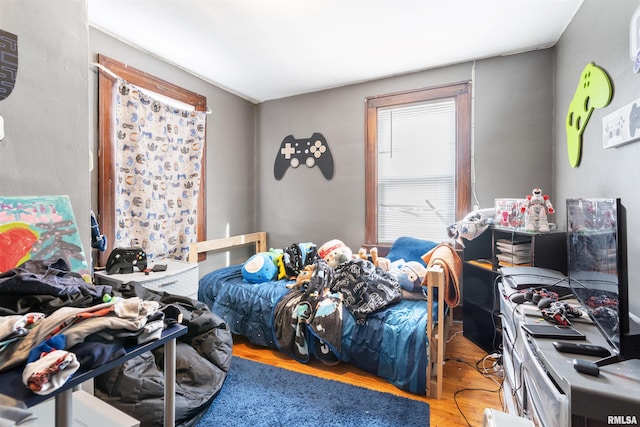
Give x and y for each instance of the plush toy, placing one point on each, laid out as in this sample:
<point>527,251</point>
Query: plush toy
<point>296,256</point>
<point>278,258</point>
<point>259,268</point>
<point>372,256</point>
<point>335,252</point>
<point>535,210</point>
<point>410,274</point>
<point>303,277</point>
<point>472,225</point>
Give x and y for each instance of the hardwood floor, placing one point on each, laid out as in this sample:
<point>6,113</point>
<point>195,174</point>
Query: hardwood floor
<point>466,391</point>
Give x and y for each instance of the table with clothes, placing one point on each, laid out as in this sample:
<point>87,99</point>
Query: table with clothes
<point>54,325</point>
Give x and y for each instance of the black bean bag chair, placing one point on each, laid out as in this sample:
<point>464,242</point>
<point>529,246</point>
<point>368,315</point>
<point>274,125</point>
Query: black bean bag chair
<point>203,358</point>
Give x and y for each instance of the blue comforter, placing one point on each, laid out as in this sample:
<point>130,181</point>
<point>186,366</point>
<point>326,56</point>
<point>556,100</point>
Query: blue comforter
<point>391,343</point>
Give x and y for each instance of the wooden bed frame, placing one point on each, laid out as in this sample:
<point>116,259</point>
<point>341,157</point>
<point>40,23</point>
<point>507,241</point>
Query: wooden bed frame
<point>436,335</point>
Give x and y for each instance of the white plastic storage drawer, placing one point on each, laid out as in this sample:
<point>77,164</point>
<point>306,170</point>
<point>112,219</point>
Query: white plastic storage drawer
<point>511,312</point>
<point>547,405</point>
<point>510,319</point>
<point>512,365</point>
<point>87,410</point>
<point>495,418</point>
<point>180,278</point>
<point>183,282</point>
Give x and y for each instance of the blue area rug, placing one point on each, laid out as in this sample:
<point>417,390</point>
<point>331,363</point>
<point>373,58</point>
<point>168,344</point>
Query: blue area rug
<point>256,394</point>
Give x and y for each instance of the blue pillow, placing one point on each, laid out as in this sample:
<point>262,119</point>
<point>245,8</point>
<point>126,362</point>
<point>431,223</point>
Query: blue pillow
<point>410,249</point>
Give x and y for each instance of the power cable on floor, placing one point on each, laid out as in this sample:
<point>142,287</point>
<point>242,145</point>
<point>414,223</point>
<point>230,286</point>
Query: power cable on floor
<point>487,372</point>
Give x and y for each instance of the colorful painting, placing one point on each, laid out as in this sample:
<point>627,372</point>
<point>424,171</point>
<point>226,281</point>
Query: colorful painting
<point>40,227</point>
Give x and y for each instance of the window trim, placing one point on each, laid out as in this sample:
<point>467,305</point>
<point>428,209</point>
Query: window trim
<point>461,92</point>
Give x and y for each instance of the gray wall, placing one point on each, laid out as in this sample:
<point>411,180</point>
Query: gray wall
<point>513,126</point>
<point>230,150</point>
<point>46,146</point>
<point>599,33</point>
<point>512,145</point>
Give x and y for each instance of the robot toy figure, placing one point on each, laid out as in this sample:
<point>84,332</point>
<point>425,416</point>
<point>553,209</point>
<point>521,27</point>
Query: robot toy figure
<point>535,209</point>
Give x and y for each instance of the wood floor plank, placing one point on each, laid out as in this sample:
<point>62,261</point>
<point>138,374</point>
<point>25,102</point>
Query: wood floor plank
<point>466,391</point>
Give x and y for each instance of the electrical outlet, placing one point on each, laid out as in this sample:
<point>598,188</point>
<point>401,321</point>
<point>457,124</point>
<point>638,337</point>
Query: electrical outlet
<point>1,128</point>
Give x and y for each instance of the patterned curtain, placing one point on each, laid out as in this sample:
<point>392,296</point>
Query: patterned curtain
<point>158,162</point>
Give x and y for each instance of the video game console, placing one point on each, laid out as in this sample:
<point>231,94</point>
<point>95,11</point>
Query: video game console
<point>122,260</point>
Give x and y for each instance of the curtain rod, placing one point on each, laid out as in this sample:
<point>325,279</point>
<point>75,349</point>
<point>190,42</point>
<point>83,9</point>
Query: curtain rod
<point>115,76</point>
<point>105,69</point>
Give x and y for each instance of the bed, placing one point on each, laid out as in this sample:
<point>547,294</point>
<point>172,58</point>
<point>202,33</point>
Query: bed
<point>403,343</point>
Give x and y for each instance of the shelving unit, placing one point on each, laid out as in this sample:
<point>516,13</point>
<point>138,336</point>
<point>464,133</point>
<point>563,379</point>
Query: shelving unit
<point>480,273</point>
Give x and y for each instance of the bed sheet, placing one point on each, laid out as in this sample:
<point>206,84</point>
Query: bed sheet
<point>246,307</point>
<point>391,344</point>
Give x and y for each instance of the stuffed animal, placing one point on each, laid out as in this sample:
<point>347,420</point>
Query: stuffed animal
<point>472,225</point>
<point>278,258</point>
<point>296,256</point>
<point>259,268</point>
<point>335,252</point>
<point>410,274</point>
<point>383,263</point>
<point>303,277</point>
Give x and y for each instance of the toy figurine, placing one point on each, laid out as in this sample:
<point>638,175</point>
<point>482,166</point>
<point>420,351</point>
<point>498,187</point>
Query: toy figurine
<point>535,209</point>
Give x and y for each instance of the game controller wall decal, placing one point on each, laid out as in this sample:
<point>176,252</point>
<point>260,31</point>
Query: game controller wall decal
<point>8,68</point>
<point>622,126</point>
<point>594,91</point>
<point>8,63</point>
<point>312,151</point>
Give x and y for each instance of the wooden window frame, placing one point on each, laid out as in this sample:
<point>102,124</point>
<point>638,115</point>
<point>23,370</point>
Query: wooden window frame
<point>461,92</point>
<point>107,142</point>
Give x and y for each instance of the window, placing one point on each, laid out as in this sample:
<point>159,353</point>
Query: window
<point>418,163</point>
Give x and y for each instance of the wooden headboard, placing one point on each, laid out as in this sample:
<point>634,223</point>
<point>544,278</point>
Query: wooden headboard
<point>259,239</point>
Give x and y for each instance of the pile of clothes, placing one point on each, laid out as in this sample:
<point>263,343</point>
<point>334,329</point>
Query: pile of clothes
<point>54,324</point>
<point>308,319</point>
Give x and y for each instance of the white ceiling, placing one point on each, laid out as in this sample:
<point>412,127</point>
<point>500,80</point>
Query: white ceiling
<point>270,49</point>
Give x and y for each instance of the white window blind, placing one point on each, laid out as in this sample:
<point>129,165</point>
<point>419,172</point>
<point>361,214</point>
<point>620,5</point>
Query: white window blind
<point>416,170</point>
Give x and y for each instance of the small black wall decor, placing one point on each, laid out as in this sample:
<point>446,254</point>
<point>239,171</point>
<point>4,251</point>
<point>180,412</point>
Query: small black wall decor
<point>312,151</point>
<point>8,63</point>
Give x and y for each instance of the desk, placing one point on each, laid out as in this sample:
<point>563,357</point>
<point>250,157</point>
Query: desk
<point>11,381</point>
<point>542,384</point>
